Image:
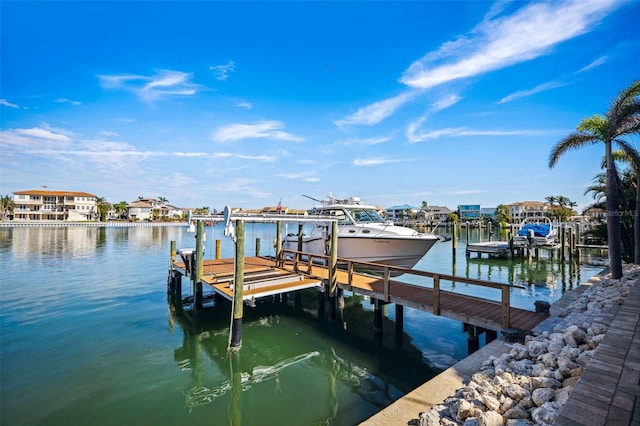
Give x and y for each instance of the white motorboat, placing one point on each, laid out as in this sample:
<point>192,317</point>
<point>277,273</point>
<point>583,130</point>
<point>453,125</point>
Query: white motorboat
<point>363,235</point>
<point>536,232</point>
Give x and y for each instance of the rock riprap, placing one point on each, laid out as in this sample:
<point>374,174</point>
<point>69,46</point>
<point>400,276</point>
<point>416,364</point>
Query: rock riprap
<point>530,383</point>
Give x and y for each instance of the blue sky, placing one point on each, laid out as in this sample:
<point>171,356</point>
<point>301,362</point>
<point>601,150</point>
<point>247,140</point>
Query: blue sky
<point>246,103</point>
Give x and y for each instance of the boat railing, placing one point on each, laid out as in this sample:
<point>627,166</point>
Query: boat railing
<point>310,263</point>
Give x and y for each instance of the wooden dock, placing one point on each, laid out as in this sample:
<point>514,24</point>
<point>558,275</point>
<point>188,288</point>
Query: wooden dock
<point>495,315</point>
<point>265,277</point>
<point>261,277</point>
<point>491,248</point>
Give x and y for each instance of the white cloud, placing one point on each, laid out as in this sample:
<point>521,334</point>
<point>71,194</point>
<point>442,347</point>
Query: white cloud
<point>34,137</point>
<point>364,141</point>
<point>596,63</point>
<point>8,104</point>
<point>374,161</point>
<point>466,191</point>
<point>539,88</point>
<point>165,83</point>
<point>243,104</point>
<point>67,101</point>
<point>445,102</point>
<point>497,43</point>
<point>415,135</point>
<point>221,72</point>
<point>378,111</point>
<point>261,129</point>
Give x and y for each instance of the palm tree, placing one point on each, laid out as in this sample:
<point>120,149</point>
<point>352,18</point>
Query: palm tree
<point>622,118</point>
<point>120,208</point>
<point>562,201</point>
<point>551,199</point>
<point>597,190</point>
<point>6,206</point>
<point>103,208</point>
<point>630,156</point>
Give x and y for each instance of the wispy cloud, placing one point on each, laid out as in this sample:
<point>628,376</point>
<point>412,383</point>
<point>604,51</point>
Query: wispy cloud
<point>67,101</point>
<point>466,191</point>
<point>307,177</point>
<point>259,130</point>
<point>8,104</point>
<point>378,111</point>
<point>35,137</point>
<point>445,102</point>
<point>364,141</point>
<point>163,84</point>
<point>600,61</point>
<point>524,93</point>
<point>221,72</point>
<point>499,42</point>
<point>415,135</point>
<point>243,104</point>
<point>375,161</point>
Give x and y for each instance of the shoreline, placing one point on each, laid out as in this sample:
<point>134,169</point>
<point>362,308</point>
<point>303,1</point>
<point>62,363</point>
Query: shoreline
<point>61,224</point>
<point>413,407</point>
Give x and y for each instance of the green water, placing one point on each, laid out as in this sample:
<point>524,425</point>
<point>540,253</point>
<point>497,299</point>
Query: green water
<point>88,337</point>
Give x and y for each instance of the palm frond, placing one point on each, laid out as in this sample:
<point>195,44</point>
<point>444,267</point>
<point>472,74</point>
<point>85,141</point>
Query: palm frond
<point>573,141</point>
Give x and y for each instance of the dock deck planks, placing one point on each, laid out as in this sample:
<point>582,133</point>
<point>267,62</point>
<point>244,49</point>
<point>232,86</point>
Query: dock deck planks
<point>219,275</point>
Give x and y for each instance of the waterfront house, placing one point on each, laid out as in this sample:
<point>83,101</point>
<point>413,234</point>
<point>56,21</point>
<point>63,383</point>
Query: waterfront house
<point>400,213</point>
<point>434,213</point>
<point>469,212</point>
<point>46,205</point>
<point>488,211</point>
<point>520,211</point>
<point>152,209</point>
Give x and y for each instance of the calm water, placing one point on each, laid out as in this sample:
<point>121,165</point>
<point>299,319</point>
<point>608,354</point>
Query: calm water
<point>89,338</point>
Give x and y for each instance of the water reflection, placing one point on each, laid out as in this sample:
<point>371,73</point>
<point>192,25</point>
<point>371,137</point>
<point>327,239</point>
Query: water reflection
<point>283,357</point>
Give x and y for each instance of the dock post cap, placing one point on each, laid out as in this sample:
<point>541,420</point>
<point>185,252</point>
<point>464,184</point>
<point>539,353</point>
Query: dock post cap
<point>542,307</point>
<point>510,335</point>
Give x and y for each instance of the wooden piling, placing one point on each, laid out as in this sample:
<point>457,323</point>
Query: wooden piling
<point>257,247</point>
<point>333,270</point>
<point>300,236</point>
<point>218,250</point>
<point>197,269</point>
<point>570,242</point>
<point>454,240</point>
<point>563,245</point>
<point>377,316</point>
<point>279,260</point>
<point>238,285</point>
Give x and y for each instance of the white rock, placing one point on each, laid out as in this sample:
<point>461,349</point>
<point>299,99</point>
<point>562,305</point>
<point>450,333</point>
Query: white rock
<point>541,396</point>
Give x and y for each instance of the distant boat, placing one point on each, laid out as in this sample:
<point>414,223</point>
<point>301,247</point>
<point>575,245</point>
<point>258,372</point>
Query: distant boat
<point>363,235</point>
<point>536,232</point>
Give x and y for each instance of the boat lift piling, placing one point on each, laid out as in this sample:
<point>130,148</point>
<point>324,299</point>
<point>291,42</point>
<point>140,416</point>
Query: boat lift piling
<point>277,283</point>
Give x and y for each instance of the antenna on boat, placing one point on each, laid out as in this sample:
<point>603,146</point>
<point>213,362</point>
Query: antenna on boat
<point>311,198</point>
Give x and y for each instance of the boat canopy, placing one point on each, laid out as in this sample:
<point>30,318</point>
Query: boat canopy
<point>539,229</point>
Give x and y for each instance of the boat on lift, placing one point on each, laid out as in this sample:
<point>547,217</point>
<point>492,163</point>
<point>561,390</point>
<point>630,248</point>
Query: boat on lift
<point>363,235</point>
<point>536,232</point>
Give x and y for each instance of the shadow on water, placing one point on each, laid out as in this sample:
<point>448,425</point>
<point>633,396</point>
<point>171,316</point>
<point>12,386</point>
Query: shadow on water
<point>289,345</point>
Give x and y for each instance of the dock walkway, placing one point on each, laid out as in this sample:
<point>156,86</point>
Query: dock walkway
<point>487,314</point>
<point>607,393</point>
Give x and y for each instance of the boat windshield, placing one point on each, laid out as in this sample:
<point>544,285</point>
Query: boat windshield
<point>361,215</point>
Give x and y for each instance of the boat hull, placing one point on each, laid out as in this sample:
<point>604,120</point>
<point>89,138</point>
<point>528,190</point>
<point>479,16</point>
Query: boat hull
<point>392,251</point>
